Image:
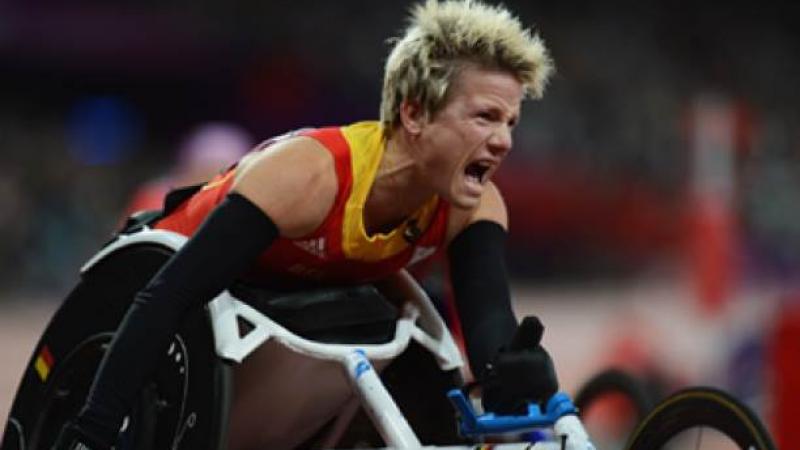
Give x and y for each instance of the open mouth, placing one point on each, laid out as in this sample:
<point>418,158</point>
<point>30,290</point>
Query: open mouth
<point>477,171</point>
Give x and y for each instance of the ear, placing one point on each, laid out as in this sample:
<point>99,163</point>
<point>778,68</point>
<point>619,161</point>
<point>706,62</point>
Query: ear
<point>412,116</point>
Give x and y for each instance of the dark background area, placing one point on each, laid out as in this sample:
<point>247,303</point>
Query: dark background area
<point>95,97</point>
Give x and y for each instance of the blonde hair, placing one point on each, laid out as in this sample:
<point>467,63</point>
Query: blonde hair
<point>444,36</point>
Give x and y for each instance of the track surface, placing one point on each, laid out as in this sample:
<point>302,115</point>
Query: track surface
<point>21,323</point>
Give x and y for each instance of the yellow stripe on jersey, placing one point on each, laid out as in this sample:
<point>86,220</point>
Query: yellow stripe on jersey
<point>218,181</point>
<point>367,143</point>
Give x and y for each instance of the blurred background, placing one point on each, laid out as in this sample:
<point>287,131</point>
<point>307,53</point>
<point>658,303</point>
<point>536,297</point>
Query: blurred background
<point>652,192</point>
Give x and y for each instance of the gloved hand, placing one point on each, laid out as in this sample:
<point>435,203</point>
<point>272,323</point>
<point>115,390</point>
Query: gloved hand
<point>521,374</point>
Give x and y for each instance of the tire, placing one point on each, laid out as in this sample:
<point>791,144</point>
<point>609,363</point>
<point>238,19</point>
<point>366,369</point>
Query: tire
<point>702,408</point>
<point>183,407</point>
<point>610,405</point>
<point>614,381</point>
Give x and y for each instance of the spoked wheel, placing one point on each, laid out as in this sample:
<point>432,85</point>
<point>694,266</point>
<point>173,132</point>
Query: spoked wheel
<point>610,405</point>
<point>701,419</point>
<point>184,406</point>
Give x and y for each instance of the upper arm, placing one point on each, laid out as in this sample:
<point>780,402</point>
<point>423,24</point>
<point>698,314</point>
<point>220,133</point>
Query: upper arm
<point>492,208</point>
<point>294,182</point>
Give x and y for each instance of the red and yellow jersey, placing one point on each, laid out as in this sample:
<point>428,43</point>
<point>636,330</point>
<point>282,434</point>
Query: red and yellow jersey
<point>339,250</point>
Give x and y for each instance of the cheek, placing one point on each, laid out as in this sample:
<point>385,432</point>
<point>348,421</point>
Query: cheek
<point>450,145</point>
<point>443,146</point>
<point>451,155</point>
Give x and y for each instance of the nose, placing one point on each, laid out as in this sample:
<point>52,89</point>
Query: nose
<point>500,141</point>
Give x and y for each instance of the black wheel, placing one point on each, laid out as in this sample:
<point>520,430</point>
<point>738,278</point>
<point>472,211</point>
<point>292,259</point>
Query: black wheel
<point>610,405</point>
<point>701,418</point>
<point>614,382</point>
<point>183,407</point>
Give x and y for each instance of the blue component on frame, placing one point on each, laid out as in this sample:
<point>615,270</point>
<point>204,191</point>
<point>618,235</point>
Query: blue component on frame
<point>363,364</point>
<point>535,436</point>
<point>471,424</point>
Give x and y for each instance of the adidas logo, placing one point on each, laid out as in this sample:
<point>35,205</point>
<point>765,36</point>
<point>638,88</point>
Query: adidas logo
<point>314,246</point>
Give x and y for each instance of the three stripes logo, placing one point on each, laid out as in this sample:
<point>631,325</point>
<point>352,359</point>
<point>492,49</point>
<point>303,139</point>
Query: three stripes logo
<point>315,246</point>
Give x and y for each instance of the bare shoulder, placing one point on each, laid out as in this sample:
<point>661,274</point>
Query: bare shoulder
<point>294,182</point>
<point>492,207</point>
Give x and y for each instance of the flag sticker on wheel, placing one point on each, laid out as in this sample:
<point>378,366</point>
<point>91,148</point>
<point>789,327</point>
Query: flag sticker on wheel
<point>43,363</point>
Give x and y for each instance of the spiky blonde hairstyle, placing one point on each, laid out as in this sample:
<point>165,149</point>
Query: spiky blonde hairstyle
<point>442,38</point>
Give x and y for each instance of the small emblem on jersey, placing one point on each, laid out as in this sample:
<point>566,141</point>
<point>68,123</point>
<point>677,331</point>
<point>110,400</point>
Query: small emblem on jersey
<point>412,233</point>
<point>421,253</point>
<point>314,246</point>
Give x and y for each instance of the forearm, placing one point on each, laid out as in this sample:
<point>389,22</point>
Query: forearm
<point>222,249</point>
<point>480,284</point>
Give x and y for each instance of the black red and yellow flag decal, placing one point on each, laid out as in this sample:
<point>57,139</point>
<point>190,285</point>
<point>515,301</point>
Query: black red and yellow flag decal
<point>44,363</point>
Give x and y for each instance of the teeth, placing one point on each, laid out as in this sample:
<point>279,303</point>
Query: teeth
<point>478,171</point>
<point>484,171</point>
<point>474,178</point>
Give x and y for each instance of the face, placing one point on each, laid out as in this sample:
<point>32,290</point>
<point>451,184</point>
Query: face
<point>462,145</point>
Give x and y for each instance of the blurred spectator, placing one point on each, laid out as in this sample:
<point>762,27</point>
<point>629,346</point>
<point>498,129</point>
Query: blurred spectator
<point>602,165</point>
<point>17,212</point>
<point>207,150</point>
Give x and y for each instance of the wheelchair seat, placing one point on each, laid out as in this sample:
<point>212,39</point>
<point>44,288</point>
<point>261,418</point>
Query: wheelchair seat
<point>357,314</point>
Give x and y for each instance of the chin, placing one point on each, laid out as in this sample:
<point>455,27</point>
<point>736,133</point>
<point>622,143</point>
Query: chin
<point>464,202</point>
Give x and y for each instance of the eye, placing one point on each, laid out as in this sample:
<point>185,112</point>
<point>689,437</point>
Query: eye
<point>487,116</point>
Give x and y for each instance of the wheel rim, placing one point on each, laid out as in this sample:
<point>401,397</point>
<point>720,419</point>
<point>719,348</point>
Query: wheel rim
<point>152,423</point>
<point>701,419</point>
<point>67,389</point>
<point>704,438</point>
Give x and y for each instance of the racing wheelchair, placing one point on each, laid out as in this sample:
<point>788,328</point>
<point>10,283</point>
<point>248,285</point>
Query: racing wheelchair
<point>263,370</point>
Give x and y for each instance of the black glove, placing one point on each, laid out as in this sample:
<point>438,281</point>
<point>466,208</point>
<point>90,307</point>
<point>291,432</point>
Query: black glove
<point>521,374</point>
<point>73,437</point>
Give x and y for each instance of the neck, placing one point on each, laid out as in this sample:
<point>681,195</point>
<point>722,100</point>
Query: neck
<point>397,191</point>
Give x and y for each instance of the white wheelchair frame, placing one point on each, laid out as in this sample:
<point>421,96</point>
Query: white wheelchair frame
<point>418,321</point>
